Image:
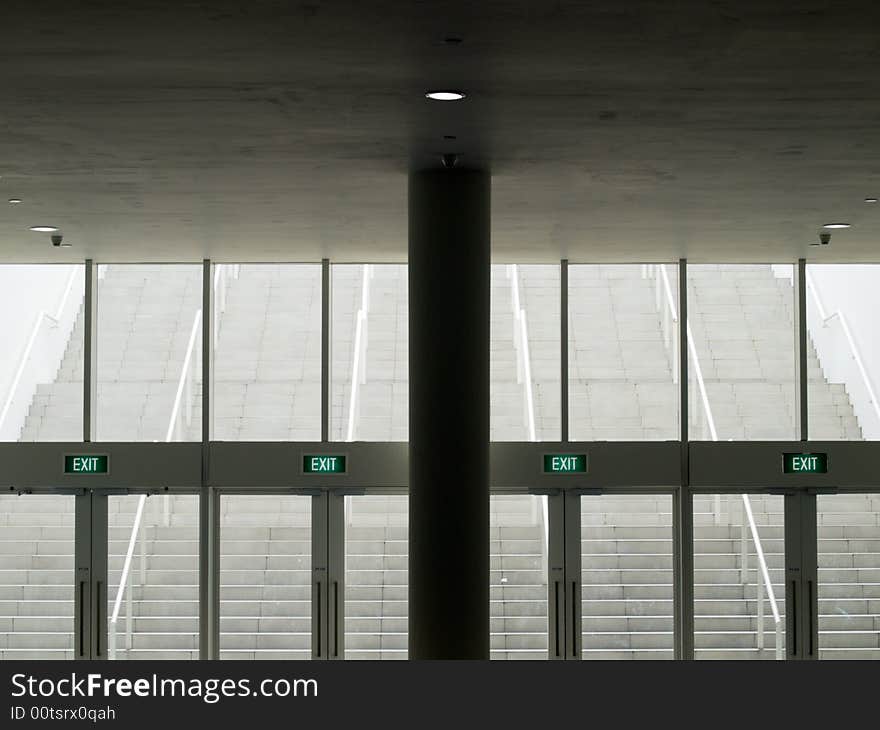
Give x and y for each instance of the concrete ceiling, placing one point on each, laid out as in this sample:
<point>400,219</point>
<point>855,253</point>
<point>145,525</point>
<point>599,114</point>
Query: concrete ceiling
<point>266,130</point>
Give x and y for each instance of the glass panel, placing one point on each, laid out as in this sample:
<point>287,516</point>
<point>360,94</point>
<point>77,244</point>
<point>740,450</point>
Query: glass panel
<point>41,375</point>
<point>36,579</point>
<point>369,353</point>
<point>149,345</point>
<point>267,353</point>
<point>518,577</point>
<point>626,570</point>
<point>849,576</point>
<point>743,382</point>
<point>265,577</point>
<point>843,351</point>
<point>623,352</point>
<point>156,616</point>
<point>376,586</point>
<point>733,607</point>
<point>524,353</point>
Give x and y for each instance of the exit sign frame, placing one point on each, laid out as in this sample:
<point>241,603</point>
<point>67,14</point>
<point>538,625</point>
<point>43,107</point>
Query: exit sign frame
<point>581,466</point>
<point>308,471</point>
<point>70,463</point>
<point>819,466</point>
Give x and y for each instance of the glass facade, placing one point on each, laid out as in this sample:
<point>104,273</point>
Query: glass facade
<point>267,352</point>
<point>622,350</point>
<point>149,353</point>
<point>524,353</point>
<point>369,353</point>
<point>843,355</point>
<point>41,366</point>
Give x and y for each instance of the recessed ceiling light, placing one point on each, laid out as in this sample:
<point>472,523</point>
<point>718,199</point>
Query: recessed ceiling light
<point>445,95</point>
<point>44,229</point>
<point>65,245</point>
<point>14,201</point>
<point>870,200</point>
<point>836,225</point>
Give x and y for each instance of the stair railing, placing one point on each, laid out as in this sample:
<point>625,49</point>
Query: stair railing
<point>866,403</point>
<point>524,378</point>
<point>24,382</point>
<point>181,411</point>
<point>703,411</point>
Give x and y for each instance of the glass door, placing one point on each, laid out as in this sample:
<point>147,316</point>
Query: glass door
<point>266,587</point>
<point>848,531</point>
<point>739,576</point>
<point>153,576</point>
<point>37,578</point>
<point>626,556</point>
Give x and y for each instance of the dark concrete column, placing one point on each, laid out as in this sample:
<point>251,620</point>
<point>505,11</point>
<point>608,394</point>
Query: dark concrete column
<point>449,414</point>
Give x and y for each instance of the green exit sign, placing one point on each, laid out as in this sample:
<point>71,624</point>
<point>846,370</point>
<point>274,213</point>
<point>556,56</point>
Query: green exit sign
<point>565,463</point>
<point>323,464</point>
<point>805,463</point>
<point>86,464</point>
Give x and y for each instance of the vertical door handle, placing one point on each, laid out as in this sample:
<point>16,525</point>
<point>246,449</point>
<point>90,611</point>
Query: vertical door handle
<point>336,619</point>
<point>98,628</point>
<point>82,618</point>
<point>574,627</point>
<point>810,614</point>
<point>318,618</point>
<point>794,618</point>
<point>558,609</point>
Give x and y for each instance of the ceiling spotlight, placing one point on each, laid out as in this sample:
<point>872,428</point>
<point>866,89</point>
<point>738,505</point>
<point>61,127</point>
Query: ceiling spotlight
<point>445,95</point>
<point>834,226</point>
<point>870,200</point>
<point>44,229</point>
<point>14,201</point>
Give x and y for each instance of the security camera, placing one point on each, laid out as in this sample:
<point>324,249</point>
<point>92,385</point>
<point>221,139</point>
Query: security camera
<point>450,160</point>
<point>57,238</point>
<point>824,238</point>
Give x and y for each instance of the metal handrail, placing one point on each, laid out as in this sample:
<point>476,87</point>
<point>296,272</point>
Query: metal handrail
<point>359,357</point>
<point>42,317</point>
<point>524,376</point>
<point>747,505</point>
<point>850,340</point>
<point>184,386</point>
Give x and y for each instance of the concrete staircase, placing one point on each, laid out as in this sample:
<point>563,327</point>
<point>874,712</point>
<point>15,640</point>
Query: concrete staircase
<point>621,388</point>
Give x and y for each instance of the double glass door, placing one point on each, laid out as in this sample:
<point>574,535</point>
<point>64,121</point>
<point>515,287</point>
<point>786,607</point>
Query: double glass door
<point>94,574</point>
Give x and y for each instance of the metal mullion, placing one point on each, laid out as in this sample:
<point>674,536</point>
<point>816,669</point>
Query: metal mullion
<point>683,507</point>
<point>802,372</point>
<point>573,578</point>
<point>325,350</point>
<point>335,574</point>
<point>90,311</point>
<point>563,350</point>
<point>556,575</point>
<point>99,549</point>
<point>209,573</point>
<point>320,579</point>
<point>209,498</point>
<point>82,630</point>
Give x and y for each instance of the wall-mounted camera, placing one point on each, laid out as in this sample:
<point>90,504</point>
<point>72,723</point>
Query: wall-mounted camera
<point>824,238</point>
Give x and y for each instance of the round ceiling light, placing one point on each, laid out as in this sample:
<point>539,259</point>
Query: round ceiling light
<point>445,95</point>
<point>871,200</point>
<point>44,229</point>
<point>833,226</point>
<point>14,201</point>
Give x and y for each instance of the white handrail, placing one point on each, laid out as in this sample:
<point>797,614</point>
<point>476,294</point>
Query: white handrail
<point>187,373</point>
<point>850,340</point>
<point>747,505</point>
<point>42,317</point>
<point>524,372</point>
<point>359,357</point>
